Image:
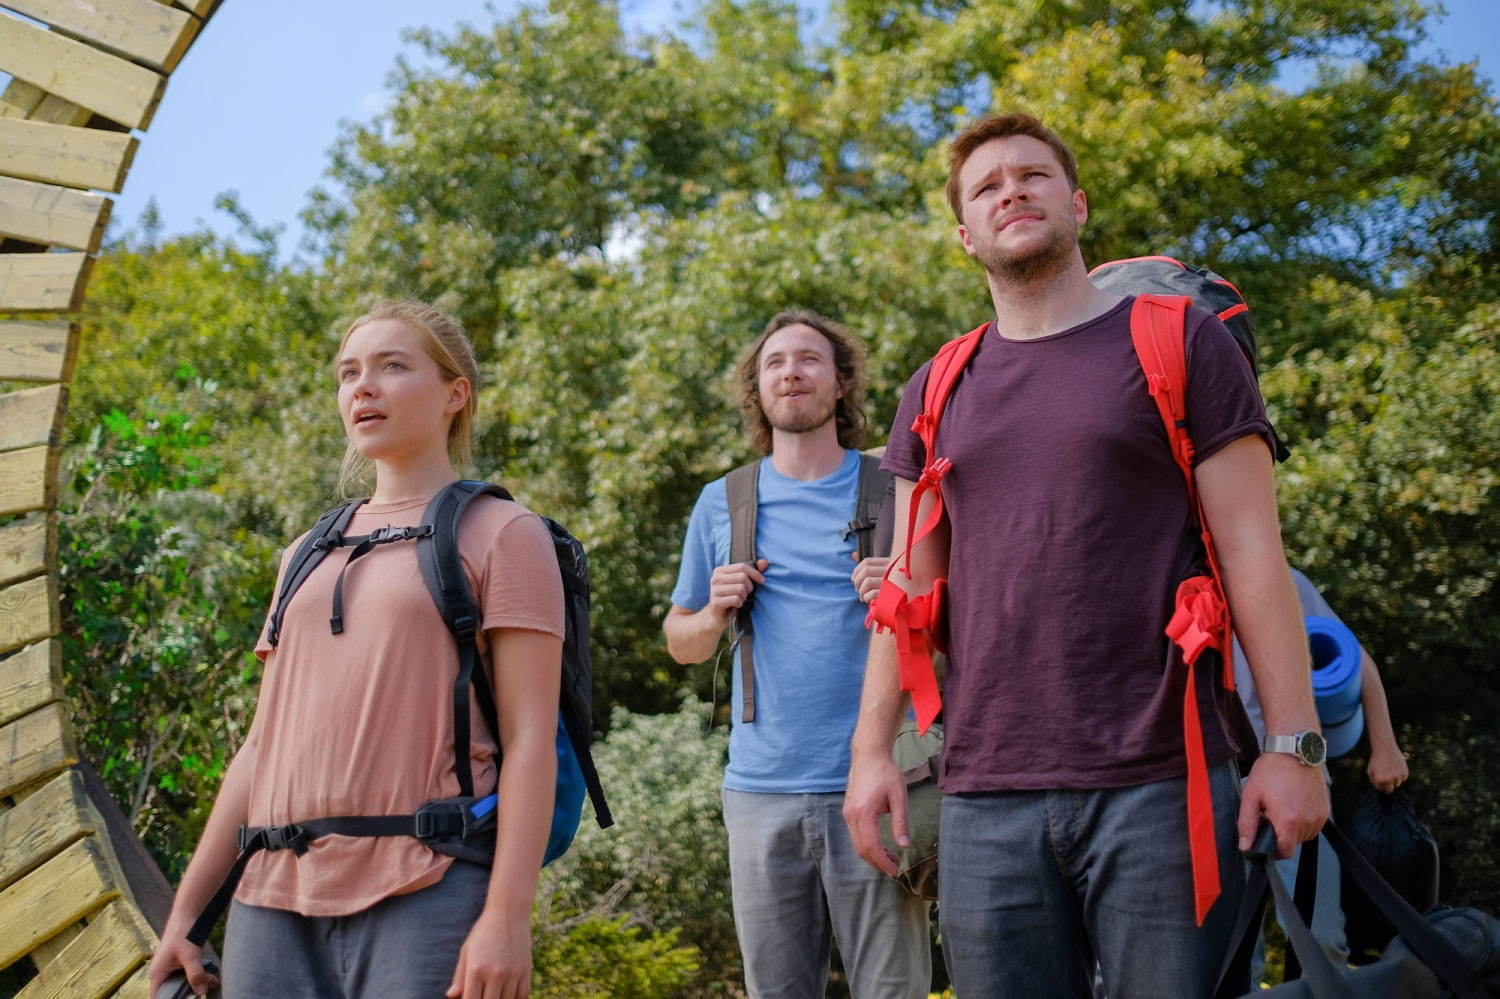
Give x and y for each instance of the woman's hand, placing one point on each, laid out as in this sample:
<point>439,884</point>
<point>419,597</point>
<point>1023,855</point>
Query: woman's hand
<point>174,953</point>
<point>495,962</point>
<point>1387,769</point>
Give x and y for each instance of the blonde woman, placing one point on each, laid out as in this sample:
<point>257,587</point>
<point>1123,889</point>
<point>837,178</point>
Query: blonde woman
<point>358,719</point>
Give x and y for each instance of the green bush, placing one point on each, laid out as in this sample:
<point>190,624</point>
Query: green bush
<point>664,865</point>
<point>609,957</point>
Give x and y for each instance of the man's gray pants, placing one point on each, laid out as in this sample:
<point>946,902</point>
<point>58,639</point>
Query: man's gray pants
<point>798,884</point>
<point>404,947</point>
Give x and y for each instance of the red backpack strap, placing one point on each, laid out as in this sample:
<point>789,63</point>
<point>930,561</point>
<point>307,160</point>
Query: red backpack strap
<point>914,621</point>
<point>1200,618</point>
<point>947,366</point>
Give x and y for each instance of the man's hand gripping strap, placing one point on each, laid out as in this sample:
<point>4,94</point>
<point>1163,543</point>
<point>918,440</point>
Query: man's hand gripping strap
<point>912,620</point>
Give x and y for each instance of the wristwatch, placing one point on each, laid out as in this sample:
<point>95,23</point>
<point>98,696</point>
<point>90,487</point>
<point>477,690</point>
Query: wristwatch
<point>1308,747</point>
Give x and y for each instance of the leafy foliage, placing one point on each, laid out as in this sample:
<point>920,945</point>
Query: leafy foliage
<point>614,216</point>
<point>665,866</point>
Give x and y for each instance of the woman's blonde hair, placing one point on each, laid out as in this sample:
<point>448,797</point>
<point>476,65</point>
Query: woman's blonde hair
<point>449,346</point>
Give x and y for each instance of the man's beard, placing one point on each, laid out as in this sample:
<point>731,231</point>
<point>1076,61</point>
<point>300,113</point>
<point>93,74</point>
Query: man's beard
<point>1034,264</point>
<point>802,423</point>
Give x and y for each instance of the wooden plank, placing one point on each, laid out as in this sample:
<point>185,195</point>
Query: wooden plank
<point>53,897</point>
<point>40,827</point>
<point>28,612</point>
<point>142,30</point>
<point>54,216</point>
<point>200,8</point>
<point>78,72</point>
<point>32,351</point>
<point>44,953</point>
<point>34,748</point>
<point>43,282</point>
<point>139,878</point>
<point>28,680</point>
<point>27,547</point>
<point>20,99</point>
<point>114,944</point>
<point>31,417</point>
<point>136,986</point>
<point>26,480</point>
<point>65,154</point>
<point>60,112</point>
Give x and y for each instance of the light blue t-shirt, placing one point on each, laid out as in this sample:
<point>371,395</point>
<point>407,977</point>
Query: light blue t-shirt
<point>810,641</point>
<point>1313,605</point>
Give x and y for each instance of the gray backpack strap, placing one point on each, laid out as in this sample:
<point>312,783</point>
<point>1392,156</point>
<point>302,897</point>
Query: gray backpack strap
<point>741,488</point>
<point>870,496</point>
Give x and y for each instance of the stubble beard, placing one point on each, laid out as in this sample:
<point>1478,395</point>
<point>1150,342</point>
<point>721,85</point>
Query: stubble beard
<point>1032,266</point>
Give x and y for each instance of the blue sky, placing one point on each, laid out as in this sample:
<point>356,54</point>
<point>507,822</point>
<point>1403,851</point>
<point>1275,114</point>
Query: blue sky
<point>256,104</point>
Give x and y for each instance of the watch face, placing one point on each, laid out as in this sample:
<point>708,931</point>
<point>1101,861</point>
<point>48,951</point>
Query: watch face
<point>1312,748</point>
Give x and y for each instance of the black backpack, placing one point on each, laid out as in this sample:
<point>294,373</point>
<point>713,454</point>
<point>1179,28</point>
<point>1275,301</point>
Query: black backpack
<point>463,826</point>
<point>741,489</point>
<point>1169,276</point>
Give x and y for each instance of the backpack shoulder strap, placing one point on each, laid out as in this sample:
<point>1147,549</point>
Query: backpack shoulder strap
<point>951,360</point>
<point>443,572</point>
<point>869,499</point>
<point>325,535</point>
<point>1158,328</point>
<point>742,491</point>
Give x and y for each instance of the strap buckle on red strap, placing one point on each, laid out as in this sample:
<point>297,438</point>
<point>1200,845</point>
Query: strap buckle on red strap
<point>1200,618</point>
<point>912,619</point>
<point>932,476</point>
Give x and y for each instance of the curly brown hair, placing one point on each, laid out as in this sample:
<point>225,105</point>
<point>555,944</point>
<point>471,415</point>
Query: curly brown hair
<point>848,362</point>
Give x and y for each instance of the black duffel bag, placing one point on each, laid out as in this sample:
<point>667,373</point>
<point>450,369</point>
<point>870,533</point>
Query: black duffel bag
<point>1448,953</point>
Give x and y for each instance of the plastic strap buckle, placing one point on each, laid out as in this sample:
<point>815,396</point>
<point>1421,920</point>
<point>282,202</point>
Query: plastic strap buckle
<point>288,837</point>
<point>465,627</point>
<point>440,821</point>
<point>857,525</point>
<point>934,473</point>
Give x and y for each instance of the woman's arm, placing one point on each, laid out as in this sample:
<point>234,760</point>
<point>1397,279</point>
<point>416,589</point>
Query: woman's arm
<point>496,957</point>
<point>211,862</point>
<point>1387,767</point>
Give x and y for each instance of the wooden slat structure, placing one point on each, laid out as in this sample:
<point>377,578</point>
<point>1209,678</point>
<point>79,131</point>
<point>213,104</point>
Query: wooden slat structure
<point>83,75</point>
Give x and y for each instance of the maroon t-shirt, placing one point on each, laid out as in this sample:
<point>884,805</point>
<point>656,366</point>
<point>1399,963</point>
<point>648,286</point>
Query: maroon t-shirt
<point>1070,532</point>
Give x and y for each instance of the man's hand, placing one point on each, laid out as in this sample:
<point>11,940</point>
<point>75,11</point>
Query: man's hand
<point>731,585</point>
<point>495,962</point>
<point>867,577</point>
<point>1387,768</point>
<point>875,788</point>
<point>1294,797</point>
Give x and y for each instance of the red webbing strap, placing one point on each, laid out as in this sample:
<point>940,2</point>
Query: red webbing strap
<point>1198,613</point>
<point>1200,618</point>
<point>912,621</point>
<point>947,366</point>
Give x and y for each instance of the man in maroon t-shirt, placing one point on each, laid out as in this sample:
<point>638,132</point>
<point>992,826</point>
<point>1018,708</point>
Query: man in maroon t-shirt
<point>1067,530</point>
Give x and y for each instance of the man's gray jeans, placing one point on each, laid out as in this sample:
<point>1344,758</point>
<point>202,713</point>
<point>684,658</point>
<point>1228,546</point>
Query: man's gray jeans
<point>797,884</point>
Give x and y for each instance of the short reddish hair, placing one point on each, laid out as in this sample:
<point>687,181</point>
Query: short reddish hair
<point>1000,126</point>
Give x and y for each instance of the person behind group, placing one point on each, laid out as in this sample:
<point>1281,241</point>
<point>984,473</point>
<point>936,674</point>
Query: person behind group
<point>1067,531</point>
<point>361,723</point>
<point>795,878</point>
<point>1386,770</point>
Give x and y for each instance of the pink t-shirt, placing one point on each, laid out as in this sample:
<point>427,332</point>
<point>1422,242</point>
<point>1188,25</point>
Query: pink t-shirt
<point>361,723</point>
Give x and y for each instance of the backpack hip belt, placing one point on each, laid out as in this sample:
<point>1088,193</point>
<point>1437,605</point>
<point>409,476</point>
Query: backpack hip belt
<point>461,826</point>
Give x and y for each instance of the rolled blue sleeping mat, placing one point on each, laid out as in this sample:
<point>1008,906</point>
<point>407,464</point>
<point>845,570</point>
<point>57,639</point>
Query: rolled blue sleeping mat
<point>1335,669</point>
<point>1344,737</point>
